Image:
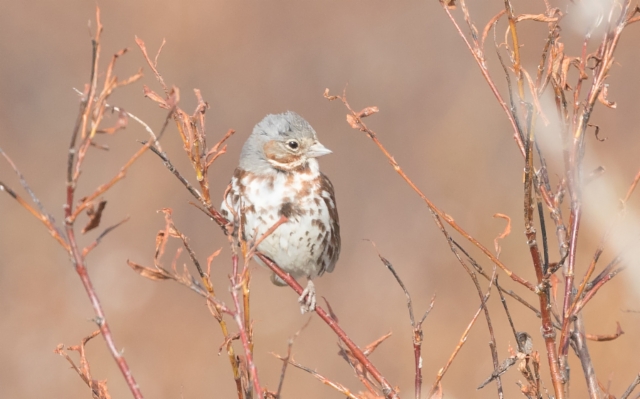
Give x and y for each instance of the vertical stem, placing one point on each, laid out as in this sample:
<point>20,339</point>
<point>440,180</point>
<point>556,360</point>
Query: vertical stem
<point>517,68</point>
<point>548,331</point>
<point>417,348</point>
<point>246,343</point>
<point>582,351</point>
<point>246,277</point>
<point>87,105</point>
<point>101,319</point>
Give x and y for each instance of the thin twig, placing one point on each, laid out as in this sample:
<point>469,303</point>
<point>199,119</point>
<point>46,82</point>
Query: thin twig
<point>355,120</point>
<point>285,360</point>
<point>463,338</point>
<point>417,327</point>
<point>631,387</point>
<point>106,231</point>
<point>387,390</point>
<point>244,338</point>
<point>223,223</point>
<point>337,386</point>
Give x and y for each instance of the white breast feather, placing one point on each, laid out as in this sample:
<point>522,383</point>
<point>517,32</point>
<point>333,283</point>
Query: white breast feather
<point>294,245</point>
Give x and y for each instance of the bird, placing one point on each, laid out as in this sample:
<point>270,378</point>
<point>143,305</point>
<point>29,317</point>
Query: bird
<point>279,177</point>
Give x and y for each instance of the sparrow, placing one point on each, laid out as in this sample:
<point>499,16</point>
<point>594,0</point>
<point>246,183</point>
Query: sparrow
<point>279,177</point>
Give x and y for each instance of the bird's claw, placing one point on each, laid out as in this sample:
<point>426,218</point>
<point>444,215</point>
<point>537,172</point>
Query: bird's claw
<point>308,298</point>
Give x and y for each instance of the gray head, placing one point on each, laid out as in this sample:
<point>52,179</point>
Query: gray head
<point>281,142</point>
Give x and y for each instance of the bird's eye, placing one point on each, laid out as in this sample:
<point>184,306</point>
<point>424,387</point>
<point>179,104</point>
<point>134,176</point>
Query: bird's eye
<point>293,144</point>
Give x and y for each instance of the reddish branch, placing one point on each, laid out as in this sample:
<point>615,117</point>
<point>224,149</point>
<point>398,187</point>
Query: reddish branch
<point>463,339</point>
<point>88,109</point>
<point>337,386</point>
<point>88,124</point>
<point>575,118</point>
<point>98,388</point>
<point>548,332</point>
<point>192,132</point>
<point>387,390</point>
<point>355,121</point>
<point>418,335</point>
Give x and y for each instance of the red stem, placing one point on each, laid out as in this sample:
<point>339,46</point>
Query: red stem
<point>101,319</point>
<point>417,348</point>
<point>388,391</point>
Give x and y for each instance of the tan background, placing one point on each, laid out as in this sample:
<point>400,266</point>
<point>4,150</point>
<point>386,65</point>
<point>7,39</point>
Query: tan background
<point>437,118</point>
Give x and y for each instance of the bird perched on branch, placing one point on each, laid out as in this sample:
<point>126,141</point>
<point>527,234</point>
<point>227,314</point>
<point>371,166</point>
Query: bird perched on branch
<point>279,184</point>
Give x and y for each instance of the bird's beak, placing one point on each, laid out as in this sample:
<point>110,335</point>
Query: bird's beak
<point>318,150</point>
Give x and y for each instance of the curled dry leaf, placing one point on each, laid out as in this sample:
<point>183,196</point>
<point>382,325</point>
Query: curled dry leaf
<point>506,232</point>
<point>368,111</point>
<point>152,274</point>
<point>329,97</point>
<point>488,26</point>
<point>597,133</point>
<point>602,97</point>
<point>353,122</point>
<point>564,70</point>
<point>95,214</point>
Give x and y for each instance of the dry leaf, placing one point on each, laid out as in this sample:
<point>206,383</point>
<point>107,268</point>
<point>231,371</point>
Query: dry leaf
<point>94,216</point>
<point>353,122</point>
<point>155,97</point>
<point>597,133</point>
<point>506,232</point>
<point>152,274</point>
<point>327,96</point>
<point>368,111</point>
<point>602,97</point>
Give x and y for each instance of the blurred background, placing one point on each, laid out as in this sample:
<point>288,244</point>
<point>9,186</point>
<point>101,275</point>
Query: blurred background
<point>437,117</point>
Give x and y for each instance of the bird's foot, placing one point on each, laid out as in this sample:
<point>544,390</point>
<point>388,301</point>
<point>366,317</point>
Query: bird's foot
<point>308,298</point>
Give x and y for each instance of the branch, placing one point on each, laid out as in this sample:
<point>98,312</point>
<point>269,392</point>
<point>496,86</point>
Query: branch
<point>355,121</point>
<point>387,390</point>
<point>417,327</point>
<point>223,223</point>
<point>94,110</point>
<point>631,387</point>
<point>463,339</point>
